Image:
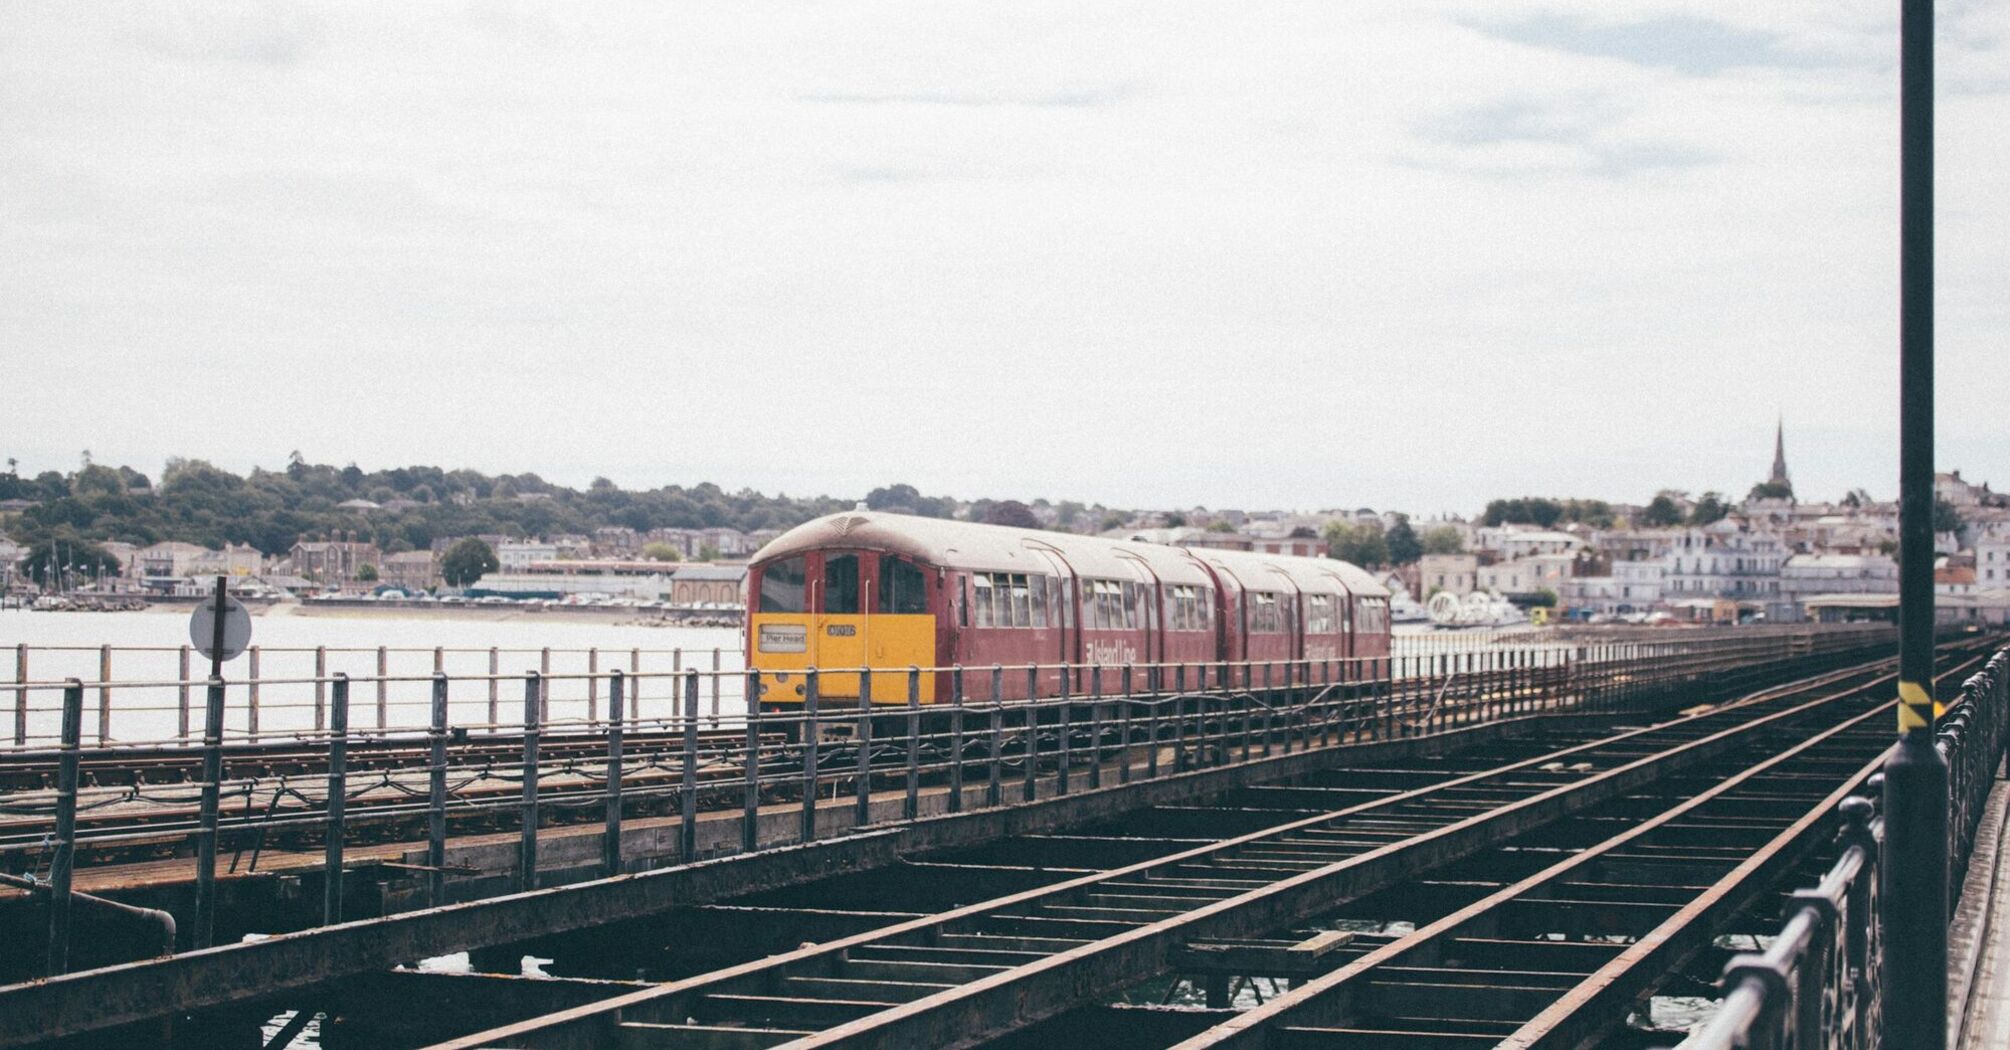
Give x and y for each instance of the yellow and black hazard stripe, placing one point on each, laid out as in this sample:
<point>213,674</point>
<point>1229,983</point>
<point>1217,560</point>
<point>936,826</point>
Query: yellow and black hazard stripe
<point>1916,707</point>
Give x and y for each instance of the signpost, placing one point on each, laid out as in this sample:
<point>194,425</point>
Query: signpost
<point>220,629</point>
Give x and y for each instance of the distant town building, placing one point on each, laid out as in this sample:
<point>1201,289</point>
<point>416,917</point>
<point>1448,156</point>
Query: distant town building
<point>170,558</point>
<point>410,570</point>
<point>1527,576</point>
<point>332,561</point>
<point>708,585</point>
<point>1725,559</point>
<point>1992,558</point>
<point>237,559</point>
<point>1805,576</point>
<point>1457,574</point>
<point>518,555</point>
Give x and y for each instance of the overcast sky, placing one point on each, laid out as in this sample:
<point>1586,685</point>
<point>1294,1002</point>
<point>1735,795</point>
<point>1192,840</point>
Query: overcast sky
<point>1409,254</point>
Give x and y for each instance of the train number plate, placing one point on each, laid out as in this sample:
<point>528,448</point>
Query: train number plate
<point>841,630</point>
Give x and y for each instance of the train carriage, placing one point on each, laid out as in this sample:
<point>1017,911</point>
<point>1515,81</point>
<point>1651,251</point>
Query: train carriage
<point>890,592</point>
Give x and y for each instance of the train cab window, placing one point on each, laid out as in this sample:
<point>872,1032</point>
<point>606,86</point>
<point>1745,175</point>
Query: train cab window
<point>903,590</point>
<point>782,586</point>
<point>1039,586</point>
<point>841,584</point>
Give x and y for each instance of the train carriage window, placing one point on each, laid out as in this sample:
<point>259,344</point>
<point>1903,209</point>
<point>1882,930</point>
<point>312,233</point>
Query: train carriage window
<point>1022,604</point>
<point>1067,603</point>
<point>1264,614</point>
<point>980,597</point>
<point>963,606</point>
<point>1039,600</point>
<point>1319,614</point>
<point>903,589</point>
<point>841,584</point>
<point>782,586</point>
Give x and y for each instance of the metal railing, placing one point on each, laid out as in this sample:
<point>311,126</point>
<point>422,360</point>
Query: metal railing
<point>153,693</point>
<point>1819,984</point>
<point>495,752</point>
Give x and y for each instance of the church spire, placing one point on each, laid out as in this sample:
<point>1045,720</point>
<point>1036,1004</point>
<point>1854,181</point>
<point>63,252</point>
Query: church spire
<point>1780,454</point>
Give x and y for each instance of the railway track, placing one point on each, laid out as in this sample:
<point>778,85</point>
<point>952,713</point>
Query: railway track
<point>965,974</point>
<point>708,921</point>
<point>1552,958</point>
<point>150,766</point>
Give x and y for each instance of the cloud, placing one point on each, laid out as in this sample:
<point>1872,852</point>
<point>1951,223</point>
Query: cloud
<point>1581,133</point>
<point>1684,43</point>
<point>1149,252</point>
<point>1072,98</point>
<point>275,34</point>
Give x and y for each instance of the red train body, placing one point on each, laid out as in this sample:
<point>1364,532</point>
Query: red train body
<point>890,591</point>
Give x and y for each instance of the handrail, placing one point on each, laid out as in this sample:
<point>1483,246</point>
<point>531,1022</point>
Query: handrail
<point>1818,986</point>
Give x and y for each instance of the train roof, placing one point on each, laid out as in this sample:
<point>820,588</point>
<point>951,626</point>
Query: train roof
<point>999,548</point>
<point>1308,575</point>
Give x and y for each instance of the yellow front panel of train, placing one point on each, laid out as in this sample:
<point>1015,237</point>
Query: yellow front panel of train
<point>785,644</point>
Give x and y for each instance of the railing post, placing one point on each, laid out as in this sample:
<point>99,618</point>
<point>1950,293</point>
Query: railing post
<point>338,798</point>
<point>495,688</point>
<point>811,727</point>
<point>715,686</point>
<point>436,800</point>
<point>1860,832</point>
<point>750,803</point>
<point>1032,771</point>
<point>1096,730</point>
<point>956,741</point>
<point>320,685</point>
<point>65,845</point>
<point>994,791</point>
<point>687,822</point>
<point>104,694</point>
<point>205,836</point>
<point>861,813</point>
<point>526,852</point>
<point>21,693</point>
<point>1064,729</point>
<point>911,806</point>
<point>1124,729</point>
<point>610,843</point>
<point>181,698</point>
<point>592,685</point>
<point>251,695</point>
<point>544,684</point>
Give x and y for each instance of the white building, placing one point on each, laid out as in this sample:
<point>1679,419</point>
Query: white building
<point>1537,572</point>
<point>1804,576</point>
<point>171,558</point>
<point>1725,559</point>
<point>1454,573</point>
<point>1992,559</point>
<point>1518,541</point>
<point>518,555</point>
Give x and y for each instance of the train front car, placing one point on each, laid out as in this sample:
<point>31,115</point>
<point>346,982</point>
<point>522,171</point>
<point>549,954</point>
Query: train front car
<point>842,593</point>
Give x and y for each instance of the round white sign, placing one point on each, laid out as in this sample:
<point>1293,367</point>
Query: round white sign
<point>236,628</point>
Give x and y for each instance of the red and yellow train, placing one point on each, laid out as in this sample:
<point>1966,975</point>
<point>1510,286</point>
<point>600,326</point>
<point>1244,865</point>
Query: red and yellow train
<point>866,589</point>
